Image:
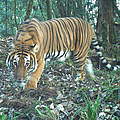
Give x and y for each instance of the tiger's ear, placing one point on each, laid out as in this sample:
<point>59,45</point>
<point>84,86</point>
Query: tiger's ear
<point>35,48</point>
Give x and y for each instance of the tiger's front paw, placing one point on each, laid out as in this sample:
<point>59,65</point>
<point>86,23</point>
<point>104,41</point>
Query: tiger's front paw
<point>31,84</point>
<point>82,75</point>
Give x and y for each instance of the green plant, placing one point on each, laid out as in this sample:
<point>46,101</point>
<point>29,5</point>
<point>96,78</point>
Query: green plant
<point>3,116</point>
<point>110,86</point>
<point>89,112</point>
<point>45,113</point>
<point>92,108</point>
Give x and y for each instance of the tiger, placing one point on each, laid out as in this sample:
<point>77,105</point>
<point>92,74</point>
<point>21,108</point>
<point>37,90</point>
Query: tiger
<point>35,41</point>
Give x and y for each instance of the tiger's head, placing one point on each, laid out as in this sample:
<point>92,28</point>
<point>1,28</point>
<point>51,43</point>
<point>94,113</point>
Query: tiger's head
<point>21,63</point>
<point>26,45</point>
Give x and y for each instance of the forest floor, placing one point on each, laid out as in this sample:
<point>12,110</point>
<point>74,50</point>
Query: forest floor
<point>59,96</point>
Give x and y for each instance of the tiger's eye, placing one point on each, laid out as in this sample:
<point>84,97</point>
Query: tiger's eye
<point>32,46</point>
<point>15,63</point>
<point>27,64</point>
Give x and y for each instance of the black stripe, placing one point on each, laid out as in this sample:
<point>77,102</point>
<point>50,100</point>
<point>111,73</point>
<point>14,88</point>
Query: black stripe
<point>22,54</point>
<point>53,38</point>
<point>57,37</point>
<point>67,31</point>
<point>61,32</point>
<point>49,41</point>
<point>29,39</point>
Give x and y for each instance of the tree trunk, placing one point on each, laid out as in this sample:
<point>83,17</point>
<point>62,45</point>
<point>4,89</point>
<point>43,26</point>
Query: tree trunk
<point>29,9</point>
<point>15,14</point>
<point>41,9</point>
<point>6,23</point>
<point>49,9</point>
<point>61,8</point>
<point>105,29</point>
<point>81,8</point>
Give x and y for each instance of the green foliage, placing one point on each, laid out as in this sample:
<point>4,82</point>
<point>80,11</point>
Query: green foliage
<point>90,111</point>
<point>3,116</point>
<point>110,87</point>
<point>2,63</point>
<point>14,11</point>
<point>92,108</point>
<point>45,113</point>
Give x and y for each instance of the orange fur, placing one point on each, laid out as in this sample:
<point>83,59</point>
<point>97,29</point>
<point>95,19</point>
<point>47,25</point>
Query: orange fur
<point>40,38</point>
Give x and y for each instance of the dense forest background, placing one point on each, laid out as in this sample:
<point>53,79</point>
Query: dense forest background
<point>60,95</point>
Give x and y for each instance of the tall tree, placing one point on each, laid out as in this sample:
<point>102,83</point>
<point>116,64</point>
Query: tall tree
<point>81,12</point>
<point>15,14</point>
<point>105,29</point>
<point>49,9</point>
<point>29,9</point>
<point>61,8</point>
<point>6,24</point>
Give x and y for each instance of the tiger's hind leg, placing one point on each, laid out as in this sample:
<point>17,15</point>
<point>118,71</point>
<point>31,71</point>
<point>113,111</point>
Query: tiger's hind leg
<point>79,62</point>
<point>34,78</point>
<point>81,73</point>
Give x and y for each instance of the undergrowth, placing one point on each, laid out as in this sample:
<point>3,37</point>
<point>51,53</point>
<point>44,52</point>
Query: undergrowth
<point>91,107</point>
